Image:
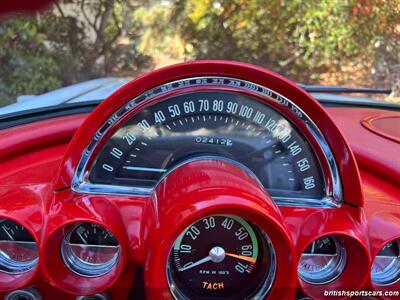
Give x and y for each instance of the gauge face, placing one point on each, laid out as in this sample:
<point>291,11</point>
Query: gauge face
<point>322,261</point>
<point>221,257</point>
<point>211,123</point>
<point>90,250</point>
<point>18,249</point>
<point>386,266</point>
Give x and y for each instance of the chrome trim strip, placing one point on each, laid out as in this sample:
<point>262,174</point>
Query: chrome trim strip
<point>334,194</point>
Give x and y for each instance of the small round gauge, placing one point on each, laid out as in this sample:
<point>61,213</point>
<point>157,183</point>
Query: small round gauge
<point>221,257</point>
<point>386,266</point>
<point>322,261</point>
<point>18,249</point>
<point>90,250</point>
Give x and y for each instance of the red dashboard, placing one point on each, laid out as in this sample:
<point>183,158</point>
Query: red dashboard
<point>204,180</point>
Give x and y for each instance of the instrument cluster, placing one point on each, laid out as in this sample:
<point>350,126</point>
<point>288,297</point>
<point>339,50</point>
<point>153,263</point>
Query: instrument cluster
<point>205,180</point>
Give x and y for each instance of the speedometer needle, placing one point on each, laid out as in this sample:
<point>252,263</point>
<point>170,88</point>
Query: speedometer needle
<point>246,258</point>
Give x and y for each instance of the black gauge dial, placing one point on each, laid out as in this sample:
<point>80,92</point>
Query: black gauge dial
<point>92,234</point>
<point>213,123</point>
<point>221,257</point>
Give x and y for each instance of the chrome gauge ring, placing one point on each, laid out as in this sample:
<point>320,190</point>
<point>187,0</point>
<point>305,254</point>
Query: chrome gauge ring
<point>221,257</point>
<point>386,266</point>
<point>18,249</point>
<point>90,250</point>
<point>323,260</point>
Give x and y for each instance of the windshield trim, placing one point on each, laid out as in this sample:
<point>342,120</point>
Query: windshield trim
<point>64,109</point>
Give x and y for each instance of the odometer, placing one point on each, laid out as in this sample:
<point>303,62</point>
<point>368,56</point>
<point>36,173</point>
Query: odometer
<point>211,123</point>
<point>221,257</point>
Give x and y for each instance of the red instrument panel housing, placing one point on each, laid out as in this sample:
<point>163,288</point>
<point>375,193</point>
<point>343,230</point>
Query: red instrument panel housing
<point>38,162</point>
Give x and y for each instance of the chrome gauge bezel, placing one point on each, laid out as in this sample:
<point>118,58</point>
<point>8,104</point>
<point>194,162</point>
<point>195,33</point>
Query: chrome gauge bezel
<point>80,267</point>
<point>391,274</point>
<point>333,189</point>
<point>14,267</point>
<point>333,269</point>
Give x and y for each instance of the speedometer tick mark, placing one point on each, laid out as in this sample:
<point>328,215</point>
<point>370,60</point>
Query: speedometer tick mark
<point>168,127</point>
<point>143,143</point>
<point>137,149</point>
<point>133,155</point>
<point>180,122</point>
<point>278,151</point>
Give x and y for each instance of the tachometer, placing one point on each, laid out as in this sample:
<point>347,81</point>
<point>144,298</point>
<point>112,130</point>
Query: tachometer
<point>221,257</point>
<point>218,123</point>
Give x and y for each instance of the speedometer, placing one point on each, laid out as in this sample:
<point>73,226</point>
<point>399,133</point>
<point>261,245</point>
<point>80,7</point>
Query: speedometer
<point>211,123</point>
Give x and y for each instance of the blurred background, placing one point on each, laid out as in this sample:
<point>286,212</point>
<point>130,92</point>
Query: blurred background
<point>327,42</point>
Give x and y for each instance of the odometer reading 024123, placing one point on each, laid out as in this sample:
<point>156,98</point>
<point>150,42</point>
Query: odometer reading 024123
<point>221,257</point>
<point>210,123</point>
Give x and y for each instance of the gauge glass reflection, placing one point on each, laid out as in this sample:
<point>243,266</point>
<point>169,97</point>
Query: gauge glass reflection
<point>322,261</point>
<point>18,249</point>
<point>386,266</point>
<point>90,250</point>
<point>221,257</point>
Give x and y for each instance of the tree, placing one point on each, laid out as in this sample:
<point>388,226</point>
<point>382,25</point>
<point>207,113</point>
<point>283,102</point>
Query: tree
<point>75,41</point>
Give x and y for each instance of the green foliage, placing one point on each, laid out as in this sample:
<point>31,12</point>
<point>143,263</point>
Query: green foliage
<point>344,41</point>
<point>75,41</point>
<point>300,39</point>
<point>24,63</point>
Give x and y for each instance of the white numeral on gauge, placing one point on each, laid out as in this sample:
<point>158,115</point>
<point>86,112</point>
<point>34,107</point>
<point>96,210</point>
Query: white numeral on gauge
<point>116,153</point>
<point>193,232</point>
<point>241,268</point>
<point>209,222</point>
<point>108,168</point>
<point>227,223</point>
<point>129,138</point>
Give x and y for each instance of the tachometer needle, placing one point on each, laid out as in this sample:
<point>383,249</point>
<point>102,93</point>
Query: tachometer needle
<point>199,262</point>
<point>245,258</point>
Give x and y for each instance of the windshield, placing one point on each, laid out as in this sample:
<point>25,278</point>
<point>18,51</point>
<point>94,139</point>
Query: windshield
<point>83,50</point>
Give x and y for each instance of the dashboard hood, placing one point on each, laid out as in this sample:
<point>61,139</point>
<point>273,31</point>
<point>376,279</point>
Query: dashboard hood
<point>95,89</point>
<point>99,89</point>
